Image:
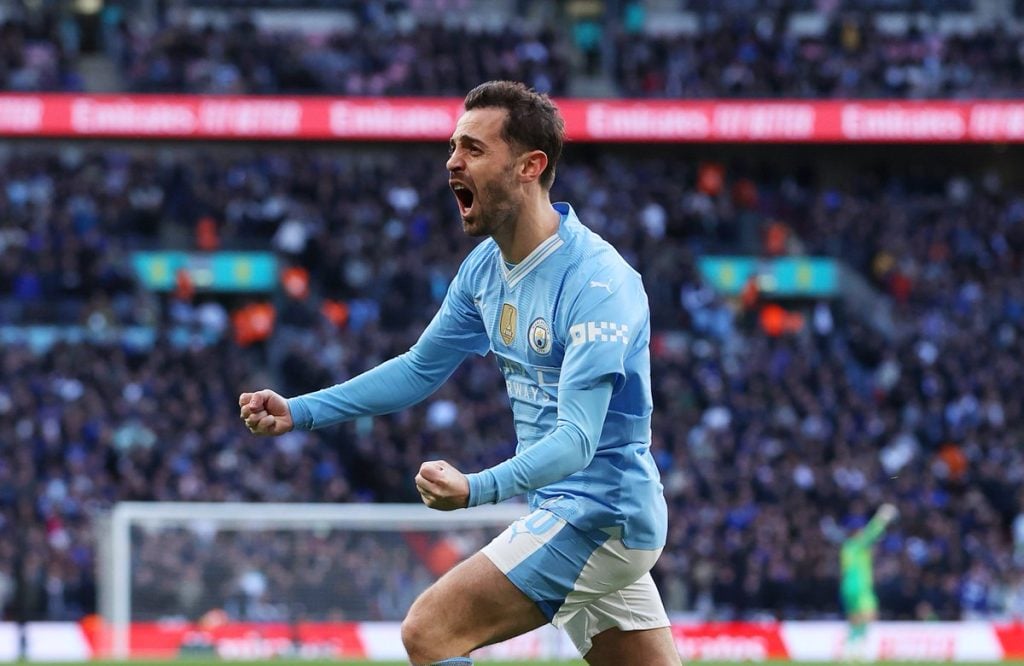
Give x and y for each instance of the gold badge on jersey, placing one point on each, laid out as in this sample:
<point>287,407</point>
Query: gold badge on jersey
<point>507,323</point>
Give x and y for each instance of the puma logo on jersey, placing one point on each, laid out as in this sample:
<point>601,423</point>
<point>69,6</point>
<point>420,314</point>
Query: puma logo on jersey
<point>604,285</point>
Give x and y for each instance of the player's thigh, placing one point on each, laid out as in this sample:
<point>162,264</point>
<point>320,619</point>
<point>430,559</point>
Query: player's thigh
<point>626,626</point>
<point>474,602</point>
<point>638,647</point>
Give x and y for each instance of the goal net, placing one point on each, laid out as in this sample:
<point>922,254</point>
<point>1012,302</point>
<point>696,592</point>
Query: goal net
<point>276,580</point>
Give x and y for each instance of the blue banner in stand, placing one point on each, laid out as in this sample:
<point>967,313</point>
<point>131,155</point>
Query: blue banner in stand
<point>209,271</point>
<point>783,277</point>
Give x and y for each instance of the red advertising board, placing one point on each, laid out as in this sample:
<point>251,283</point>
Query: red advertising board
<point>432,119</point>
<point>236,640</point>
<point>1011,637</point>
<point>729,641</point>
<point>932,642</point>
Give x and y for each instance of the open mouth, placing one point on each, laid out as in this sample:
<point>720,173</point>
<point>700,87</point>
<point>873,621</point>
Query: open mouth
<point>464,196</point>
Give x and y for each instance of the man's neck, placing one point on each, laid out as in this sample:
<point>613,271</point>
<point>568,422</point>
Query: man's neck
<point>537,222</point>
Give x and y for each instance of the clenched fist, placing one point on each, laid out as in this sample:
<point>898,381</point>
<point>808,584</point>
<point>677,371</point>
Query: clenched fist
<point>442,487</point>
<point>265,413</point>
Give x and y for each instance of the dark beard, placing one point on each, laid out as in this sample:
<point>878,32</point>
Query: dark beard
<point>503,209</point>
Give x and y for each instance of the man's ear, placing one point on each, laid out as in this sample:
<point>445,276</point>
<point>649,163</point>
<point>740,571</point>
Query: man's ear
<point>533,163</point>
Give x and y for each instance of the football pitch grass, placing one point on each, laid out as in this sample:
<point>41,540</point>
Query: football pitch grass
<point>282,661</point>
<point>301,662</point>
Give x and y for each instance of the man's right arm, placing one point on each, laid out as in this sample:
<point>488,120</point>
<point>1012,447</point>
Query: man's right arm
<point>455,332</point>
<point>396,384</point>
<point>876,526</point>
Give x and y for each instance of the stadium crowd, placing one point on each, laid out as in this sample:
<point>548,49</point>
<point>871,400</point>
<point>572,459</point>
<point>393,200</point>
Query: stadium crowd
<point>772,447</point>
<point>727,49</point>
<point>239,58</point>
<point>736,52</point>
<point>851,57</point>
<point>38,51</point>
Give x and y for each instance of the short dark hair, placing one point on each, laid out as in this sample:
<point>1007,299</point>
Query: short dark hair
<point>532,123</point>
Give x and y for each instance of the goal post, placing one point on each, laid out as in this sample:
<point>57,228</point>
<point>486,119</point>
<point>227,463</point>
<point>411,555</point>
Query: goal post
<point>161,562</point>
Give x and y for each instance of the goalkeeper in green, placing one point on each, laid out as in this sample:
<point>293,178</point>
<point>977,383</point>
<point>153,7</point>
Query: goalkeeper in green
<point>857,582</point>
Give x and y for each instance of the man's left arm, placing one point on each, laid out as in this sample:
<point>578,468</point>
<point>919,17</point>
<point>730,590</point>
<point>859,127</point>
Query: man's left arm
<point>564,451</point>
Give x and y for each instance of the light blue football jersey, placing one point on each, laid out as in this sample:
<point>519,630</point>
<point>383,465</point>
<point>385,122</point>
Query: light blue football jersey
<point>570,315</point>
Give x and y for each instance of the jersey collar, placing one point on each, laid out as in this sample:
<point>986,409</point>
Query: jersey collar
<point>515,275</point>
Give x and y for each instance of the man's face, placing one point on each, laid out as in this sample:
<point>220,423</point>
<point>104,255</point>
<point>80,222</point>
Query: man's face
<point>481,172</point>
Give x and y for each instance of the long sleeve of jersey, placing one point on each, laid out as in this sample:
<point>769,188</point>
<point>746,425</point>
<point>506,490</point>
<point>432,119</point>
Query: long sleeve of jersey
<point>567,449</point>
<point>870,533</point>
<point>391,386</point>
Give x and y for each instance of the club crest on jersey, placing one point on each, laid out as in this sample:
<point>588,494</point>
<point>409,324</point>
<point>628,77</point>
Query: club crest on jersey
<point>507,323</point>
<point>540,337</point>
